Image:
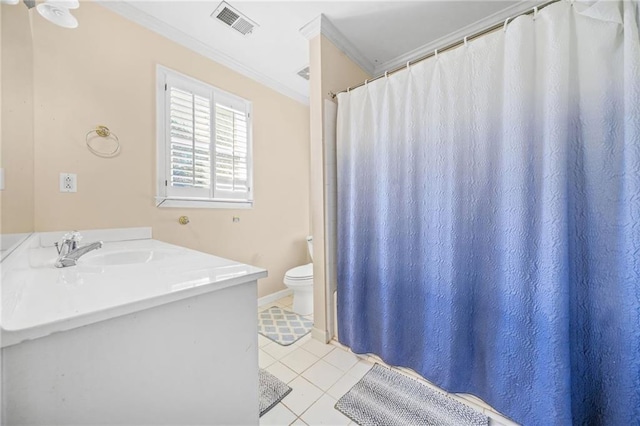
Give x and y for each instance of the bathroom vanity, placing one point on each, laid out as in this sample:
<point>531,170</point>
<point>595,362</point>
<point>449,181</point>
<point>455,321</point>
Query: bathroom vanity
<point>139,332</point>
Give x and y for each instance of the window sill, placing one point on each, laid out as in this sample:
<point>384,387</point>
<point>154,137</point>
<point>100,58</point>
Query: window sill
<point>202,204</point>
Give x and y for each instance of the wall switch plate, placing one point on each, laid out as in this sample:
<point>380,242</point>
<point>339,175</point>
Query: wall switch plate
<point>1,179</point>
<point>68,182</point>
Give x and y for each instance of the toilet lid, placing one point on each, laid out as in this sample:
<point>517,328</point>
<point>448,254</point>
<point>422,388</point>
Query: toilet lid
<point>300,272</point>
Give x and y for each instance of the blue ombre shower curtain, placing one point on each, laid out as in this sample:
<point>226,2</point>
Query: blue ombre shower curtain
<point>489,217</point>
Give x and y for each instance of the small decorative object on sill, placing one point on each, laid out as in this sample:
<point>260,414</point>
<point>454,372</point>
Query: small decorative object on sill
<point>103,133</point>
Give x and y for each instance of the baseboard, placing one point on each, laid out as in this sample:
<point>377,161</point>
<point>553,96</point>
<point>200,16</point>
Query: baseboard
<point>270,298</point>
<point>320,335</point>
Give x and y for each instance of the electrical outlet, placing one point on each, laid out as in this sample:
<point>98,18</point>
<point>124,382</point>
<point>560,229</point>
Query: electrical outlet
<point>68,182</point>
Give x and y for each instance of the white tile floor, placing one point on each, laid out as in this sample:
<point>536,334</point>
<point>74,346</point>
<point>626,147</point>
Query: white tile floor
<point>319,374</point>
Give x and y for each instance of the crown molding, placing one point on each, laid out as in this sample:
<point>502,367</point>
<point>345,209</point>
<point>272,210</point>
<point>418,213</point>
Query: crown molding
<point>154,24</point>
<point>322,25</point>
<point>455,36</point>
<point>312,28</point>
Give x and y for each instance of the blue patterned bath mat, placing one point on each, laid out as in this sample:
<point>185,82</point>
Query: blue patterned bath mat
<point>385,397</point>
<point>283,327</point>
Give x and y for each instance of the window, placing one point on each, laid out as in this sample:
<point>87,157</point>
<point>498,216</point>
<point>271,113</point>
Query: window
<point>204,144</point>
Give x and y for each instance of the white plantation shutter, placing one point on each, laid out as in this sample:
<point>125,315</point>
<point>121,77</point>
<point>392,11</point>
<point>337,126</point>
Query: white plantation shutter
<point>190,143</point>
<point>205,146</point>
<point>231,150</point>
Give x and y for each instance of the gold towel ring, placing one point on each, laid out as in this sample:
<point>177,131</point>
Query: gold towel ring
<point>103,132</point>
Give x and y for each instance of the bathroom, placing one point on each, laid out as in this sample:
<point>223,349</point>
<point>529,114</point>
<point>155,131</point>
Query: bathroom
<point>374,196</point>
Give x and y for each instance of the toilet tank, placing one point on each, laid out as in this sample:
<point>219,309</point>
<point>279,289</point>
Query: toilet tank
<point>310,246</point>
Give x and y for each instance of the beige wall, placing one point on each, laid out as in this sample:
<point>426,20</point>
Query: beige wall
<point>330,71</point>
<point>16,134</point>
<point>338,71</point>
<point>104,73</point>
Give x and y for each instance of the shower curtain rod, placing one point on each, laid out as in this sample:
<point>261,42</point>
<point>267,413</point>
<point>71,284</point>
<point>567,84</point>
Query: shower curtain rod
<point>464,40</point>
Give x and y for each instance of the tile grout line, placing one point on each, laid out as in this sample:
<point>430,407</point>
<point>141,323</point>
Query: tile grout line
<point>305,379</point>
<point>323,391</point>
<point>299,375</point>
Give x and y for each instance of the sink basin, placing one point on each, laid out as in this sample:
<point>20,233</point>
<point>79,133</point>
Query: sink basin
<point>128,257</point>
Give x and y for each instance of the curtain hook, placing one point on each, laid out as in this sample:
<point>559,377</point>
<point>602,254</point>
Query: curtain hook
<point>348,88</point>
<point>366,82</point>
<point>465,41</point>
<point>436,53</point>
<point>408,62</point>
<point>386,74</point>
<point>505,24</point>
<point>535,13</point>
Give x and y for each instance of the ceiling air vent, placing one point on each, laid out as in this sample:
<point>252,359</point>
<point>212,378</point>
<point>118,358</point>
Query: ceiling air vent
<point>304,73</point>
<point>236,20</point>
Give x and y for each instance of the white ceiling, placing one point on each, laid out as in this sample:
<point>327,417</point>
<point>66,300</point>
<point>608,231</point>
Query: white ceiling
<point>381,33</point>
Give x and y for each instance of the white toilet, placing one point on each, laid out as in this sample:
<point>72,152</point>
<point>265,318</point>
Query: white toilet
<point>300,280</point>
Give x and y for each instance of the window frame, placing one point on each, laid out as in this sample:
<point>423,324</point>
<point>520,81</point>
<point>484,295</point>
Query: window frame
<point>165,196</point>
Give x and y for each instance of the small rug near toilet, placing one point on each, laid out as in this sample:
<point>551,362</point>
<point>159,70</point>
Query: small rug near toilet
<point>271,391</point>
<point>386,397</point>
<point>283,327</point>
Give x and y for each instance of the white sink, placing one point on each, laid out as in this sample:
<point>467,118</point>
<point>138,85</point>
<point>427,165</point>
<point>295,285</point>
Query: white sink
<point>128,257</point>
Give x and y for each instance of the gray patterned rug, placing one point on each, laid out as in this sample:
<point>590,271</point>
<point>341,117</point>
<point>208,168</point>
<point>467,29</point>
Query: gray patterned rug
<point>271,391</point>
<point>283,327</point>
<point>385,397</point>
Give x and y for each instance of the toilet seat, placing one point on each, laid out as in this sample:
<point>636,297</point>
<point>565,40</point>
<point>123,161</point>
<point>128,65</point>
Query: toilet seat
<point>300,278</point>
<point>300,273</point>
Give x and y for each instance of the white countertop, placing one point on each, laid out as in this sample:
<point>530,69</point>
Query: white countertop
<point>39,299</point>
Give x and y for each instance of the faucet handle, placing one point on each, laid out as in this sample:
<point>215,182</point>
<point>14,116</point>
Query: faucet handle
<point>72,236</point>
<point>75,235</point>
<point>69,242</point>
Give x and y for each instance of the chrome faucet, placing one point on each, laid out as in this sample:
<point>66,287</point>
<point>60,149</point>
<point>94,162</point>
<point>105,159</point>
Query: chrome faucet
<point>69,252</point>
